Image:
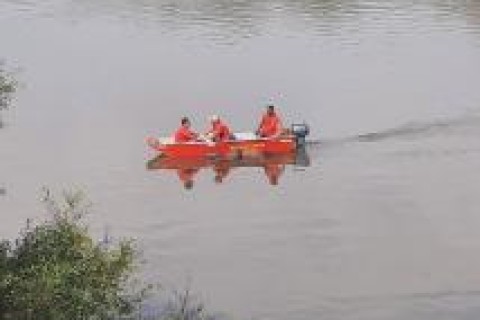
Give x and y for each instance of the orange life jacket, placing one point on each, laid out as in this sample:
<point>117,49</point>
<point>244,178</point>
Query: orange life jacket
<point>270,125</point>
<point>184,134</point>
<point>220,131</point>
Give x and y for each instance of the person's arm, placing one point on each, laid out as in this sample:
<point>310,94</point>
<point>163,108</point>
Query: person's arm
<point>190,135</point>
<point>278,128</point>
<point>209,135</point>
<point>260,125</point>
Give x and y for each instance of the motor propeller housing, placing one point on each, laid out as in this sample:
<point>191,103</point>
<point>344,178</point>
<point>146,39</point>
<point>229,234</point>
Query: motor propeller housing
<point>300,131</point>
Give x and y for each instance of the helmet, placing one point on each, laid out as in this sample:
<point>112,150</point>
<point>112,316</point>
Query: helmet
<point>214,118</point>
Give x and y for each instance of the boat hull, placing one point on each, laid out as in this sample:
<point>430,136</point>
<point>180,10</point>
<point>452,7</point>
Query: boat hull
<point>228,149</point>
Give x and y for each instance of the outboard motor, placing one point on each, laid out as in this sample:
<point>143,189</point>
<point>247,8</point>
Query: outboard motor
<point>300,131</point>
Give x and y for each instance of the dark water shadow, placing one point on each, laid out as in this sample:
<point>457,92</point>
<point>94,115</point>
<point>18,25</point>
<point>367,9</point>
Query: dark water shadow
<point>8,87</point>
<point>188,168</point>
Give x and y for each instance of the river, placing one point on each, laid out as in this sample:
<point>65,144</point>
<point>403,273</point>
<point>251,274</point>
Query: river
<point>384,222</point>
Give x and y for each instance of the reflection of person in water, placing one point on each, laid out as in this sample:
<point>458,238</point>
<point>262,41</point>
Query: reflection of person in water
<point>221,169</point>
<point>186,176</point>
<point>273,171</point>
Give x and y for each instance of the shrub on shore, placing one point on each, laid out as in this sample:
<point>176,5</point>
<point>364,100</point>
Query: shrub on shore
<point>55,270</point>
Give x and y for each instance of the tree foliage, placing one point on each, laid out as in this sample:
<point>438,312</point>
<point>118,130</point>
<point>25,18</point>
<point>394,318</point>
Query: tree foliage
<point>55,270</point>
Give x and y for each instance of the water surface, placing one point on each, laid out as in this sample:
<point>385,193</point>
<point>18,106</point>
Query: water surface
<point>382,225</point>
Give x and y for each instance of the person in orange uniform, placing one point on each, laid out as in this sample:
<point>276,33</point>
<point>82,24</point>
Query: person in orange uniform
<point>273,172</point>
<point>221,169</point>
<point>219,131</point>
<point>270,126</point>
<point>184,133</point>
<point>186,176</point>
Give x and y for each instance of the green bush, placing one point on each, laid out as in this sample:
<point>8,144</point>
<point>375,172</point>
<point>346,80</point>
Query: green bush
<point>55,270</point>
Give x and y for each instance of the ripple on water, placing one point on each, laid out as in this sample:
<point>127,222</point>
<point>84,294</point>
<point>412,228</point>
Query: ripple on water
<point>227,23</point>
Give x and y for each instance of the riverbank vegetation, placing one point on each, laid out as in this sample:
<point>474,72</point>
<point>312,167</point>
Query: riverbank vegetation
<point>55,270</point>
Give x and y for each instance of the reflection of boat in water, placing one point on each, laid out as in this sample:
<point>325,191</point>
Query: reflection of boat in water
<point>188,168</point>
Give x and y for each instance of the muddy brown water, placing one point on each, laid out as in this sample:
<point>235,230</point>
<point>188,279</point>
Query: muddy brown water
<point>384,222</point>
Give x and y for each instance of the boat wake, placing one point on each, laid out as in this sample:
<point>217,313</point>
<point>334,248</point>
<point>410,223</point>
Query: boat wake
<point>421,129</point>
<point>407,131</point>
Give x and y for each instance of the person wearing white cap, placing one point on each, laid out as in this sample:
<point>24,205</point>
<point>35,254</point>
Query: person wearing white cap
<point>219,131</point>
